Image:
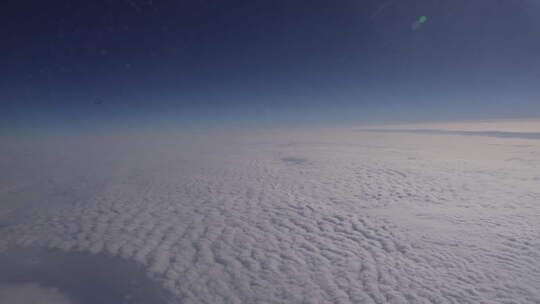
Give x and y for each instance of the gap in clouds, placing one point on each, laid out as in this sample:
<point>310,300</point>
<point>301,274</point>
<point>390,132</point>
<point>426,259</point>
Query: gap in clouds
<point>75,277</point>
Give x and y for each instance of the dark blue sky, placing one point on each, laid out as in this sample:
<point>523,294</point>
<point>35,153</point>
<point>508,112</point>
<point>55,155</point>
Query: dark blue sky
<point>73,64</point>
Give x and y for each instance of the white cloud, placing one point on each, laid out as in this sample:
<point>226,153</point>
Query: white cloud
<point>318,216</point>
<point>31,293</point>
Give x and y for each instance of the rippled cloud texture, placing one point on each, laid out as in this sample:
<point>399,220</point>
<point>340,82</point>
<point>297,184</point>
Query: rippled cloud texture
<point>295,216</point>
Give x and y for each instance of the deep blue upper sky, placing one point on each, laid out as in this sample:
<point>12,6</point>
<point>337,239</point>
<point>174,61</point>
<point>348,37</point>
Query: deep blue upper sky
<point>71,64</point>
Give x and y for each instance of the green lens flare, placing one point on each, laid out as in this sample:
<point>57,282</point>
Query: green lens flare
<point>422,19</point>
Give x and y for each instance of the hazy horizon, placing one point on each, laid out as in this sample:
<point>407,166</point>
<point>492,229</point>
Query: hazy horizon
<point>270,152</point>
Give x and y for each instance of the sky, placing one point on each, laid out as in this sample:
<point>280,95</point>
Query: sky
<point>73,65</point>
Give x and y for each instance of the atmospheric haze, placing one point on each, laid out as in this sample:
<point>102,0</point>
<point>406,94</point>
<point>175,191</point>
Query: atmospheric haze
<point>254,151</point>
<point>313,215</point>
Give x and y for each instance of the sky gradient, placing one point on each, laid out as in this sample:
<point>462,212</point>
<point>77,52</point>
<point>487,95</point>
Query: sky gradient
<point>75,65</point>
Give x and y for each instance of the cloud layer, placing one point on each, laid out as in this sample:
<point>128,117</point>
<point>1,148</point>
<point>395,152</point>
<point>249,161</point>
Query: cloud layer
<point>312,216</point>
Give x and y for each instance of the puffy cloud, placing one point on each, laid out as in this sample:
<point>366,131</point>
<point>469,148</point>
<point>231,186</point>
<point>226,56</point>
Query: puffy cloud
<point>318,216</point>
